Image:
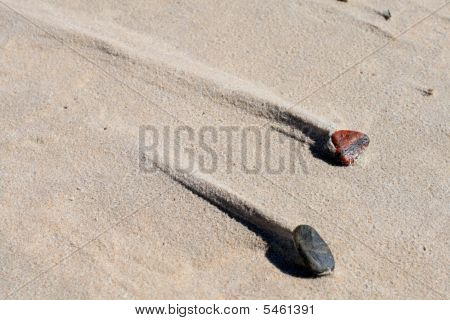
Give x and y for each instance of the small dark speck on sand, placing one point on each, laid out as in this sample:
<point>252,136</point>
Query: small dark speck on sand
<point>427,92</point>
<point>65,107</point>
<point>343,0</point>
<point>386,14</point>
<point>105,128</point>
<point>424,249</point>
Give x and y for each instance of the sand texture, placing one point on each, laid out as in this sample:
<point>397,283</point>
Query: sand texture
<point>81,220</point>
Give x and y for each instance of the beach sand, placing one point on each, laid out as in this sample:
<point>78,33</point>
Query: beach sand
<point>79,78</point>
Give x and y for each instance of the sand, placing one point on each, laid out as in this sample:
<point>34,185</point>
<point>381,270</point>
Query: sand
<point>81,220</point>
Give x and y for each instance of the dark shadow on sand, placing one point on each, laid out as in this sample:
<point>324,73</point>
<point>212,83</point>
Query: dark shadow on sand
<point>281,251</point>
<point>317,145</point>
<point>320,151</point>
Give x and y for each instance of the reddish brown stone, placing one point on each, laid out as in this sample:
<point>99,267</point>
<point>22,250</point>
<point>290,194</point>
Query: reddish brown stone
<point>349,145</point>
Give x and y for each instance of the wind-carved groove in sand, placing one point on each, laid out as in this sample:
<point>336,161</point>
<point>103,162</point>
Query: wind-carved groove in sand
<point>191,74</point>
<point>225,89</point>
<point>263,103</point>
<point>281,250</point>
<point>221,196</point>
<point>179,71</point>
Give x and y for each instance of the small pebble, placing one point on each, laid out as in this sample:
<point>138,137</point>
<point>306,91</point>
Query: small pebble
<point>386,14</point>
<point>315,253</point>
<point>427,92</point>
<point>349,145</point>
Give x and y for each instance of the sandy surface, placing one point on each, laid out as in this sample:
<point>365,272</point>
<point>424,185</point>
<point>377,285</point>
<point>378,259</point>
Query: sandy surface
<point>79,77</point>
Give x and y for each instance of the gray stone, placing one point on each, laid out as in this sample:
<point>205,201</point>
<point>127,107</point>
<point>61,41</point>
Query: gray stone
<point>313,250</point>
